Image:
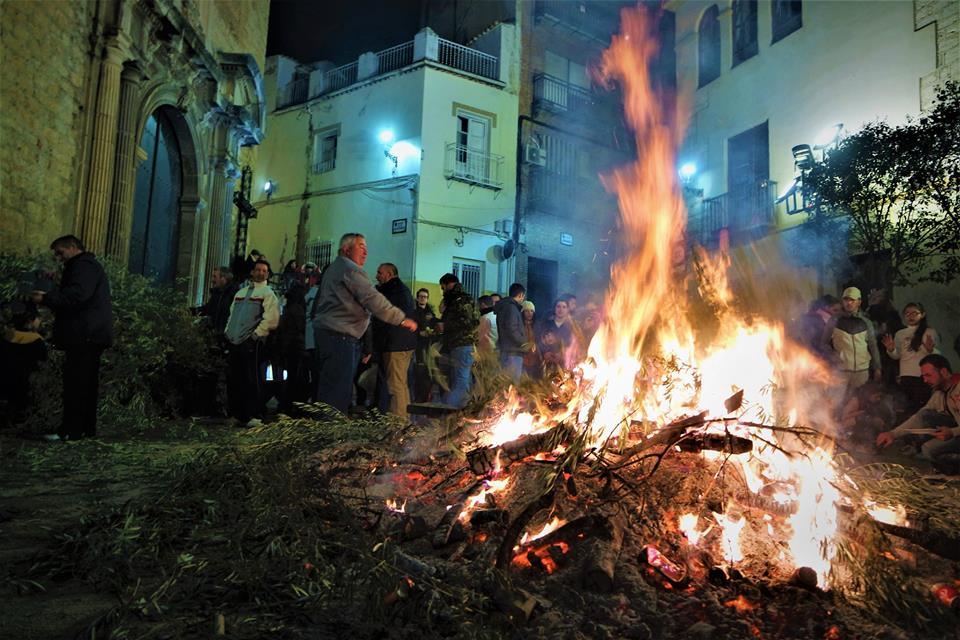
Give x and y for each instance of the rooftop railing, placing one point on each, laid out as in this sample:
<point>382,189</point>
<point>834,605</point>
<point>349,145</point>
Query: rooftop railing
<point>426,46</point>
<point>293,93</point>
<point>466,59</point>
<point>395,58</point>
<point>341,77</point>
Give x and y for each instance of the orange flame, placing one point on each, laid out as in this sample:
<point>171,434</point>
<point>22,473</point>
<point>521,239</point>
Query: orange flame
<point>648,363</point>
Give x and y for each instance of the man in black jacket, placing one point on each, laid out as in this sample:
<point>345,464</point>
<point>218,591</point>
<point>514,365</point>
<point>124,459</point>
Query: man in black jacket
<point>394,344</point>
<point>511,334</point>
<point>223,288</point>
<point>83,328</point>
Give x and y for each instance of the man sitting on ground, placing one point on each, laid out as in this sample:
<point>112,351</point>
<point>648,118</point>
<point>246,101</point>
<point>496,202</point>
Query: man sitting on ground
<point>940,415</point>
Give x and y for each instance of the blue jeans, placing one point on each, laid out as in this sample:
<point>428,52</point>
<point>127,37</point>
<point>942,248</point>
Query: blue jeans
<point>461,362</point>
<point>513,365</point>
<point>337,358</point>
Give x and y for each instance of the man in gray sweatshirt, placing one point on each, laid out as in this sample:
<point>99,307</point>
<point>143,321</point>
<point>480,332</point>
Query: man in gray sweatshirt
<point>343,307</point>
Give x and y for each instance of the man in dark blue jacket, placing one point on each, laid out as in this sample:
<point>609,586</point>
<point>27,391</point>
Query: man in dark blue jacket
<point>83,328</point>
<point>394,344</point>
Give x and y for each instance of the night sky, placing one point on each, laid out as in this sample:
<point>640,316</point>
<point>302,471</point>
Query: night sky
<point>339,30</point>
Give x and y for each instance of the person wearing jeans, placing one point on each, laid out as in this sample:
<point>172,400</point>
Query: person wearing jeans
<point>460,323</point>
<point>510,331</point>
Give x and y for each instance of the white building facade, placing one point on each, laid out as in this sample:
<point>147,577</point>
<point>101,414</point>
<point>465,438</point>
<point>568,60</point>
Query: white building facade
<point>413,146</point>
<point>764,77</point>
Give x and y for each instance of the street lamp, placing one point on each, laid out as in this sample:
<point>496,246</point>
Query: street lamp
<point>828,136</point>
<point>270,187</point>
<point>687,171</point>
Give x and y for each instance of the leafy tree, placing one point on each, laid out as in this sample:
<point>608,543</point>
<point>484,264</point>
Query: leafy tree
<point>898,189</point>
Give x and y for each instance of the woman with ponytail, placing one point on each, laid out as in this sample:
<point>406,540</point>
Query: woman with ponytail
<point>909,346</point>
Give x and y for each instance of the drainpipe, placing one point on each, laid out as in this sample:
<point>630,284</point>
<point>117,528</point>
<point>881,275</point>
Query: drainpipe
<point>414,223</point>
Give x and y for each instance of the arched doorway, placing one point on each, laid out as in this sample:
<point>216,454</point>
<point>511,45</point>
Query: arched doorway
<point>155,233</point>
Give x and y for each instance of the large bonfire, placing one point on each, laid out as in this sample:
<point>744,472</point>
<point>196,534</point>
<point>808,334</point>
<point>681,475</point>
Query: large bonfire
<point>654,363</point>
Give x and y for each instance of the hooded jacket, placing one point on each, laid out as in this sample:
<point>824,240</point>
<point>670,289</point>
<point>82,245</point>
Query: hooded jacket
<point>853,340</point>
<point>510,330</point>
<point>82,304</point>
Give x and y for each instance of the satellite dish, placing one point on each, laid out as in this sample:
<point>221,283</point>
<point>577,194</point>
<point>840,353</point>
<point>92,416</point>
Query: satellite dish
<point>509,248</point>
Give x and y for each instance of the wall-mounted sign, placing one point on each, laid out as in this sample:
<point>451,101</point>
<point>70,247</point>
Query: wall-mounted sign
<point>400,225</point>
<point>566,239</point>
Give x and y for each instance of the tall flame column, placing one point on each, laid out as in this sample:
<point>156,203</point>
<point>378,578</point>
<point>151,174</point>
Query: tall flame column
<point>92,219</point>
<point>121,203</point>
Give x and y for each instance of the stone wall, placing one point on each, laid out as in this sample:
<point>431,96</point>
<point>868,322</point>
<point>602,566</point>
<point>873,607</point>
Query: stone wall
<point>44,60</point>
<point>236,26</point>
<point>80,80</point>
<point>945,17</point>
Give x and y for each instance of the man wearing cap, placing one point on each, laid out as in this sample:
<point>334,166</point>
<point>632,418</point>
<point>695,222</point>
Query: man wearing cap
<point>851,342</point>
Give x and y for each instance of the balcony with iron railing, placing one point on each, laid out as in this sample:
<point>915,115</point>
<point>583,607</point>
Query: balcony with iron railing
<point>555,95</point>
<point>745,214</point>
<point>426,47</point>
<point>595,20</point>
<point>472,166</point>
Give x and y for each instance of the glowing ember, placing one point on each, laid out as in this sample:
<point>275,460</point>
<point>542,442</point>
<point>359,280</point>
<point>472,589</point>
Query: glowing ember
<point>542,556</point>
<point>550,527</point>
<point>393,506</point>
<point>730,536</point>
<point>479,498</point>
<point>741,604</point>
<point>896,514</point>
<point>688,526</point>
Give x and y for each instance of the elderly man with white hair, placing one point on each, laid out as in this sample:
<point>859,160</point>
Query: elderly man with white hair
<point>343,306</point>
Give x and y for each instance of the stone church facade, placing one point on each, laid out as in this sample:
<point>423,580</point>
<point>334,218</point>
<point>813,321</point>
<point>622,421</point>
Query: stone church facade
<point>126,123</point>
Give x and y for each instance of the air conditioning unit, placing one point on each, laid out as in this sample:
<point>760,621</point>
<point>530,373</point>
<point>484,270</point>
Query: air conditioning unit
<point>535,155</point>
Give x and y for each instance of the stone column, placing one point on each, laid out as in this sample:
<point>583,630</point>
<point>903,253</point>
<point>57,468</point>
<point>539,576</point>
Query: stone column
<point>92,222</point>
<point>219,216</point>
<point>121,203</point>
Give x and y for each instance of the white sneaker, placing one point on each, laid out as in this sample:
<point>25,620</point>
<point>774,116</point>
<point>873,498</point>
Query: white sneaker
<point>254,422</point>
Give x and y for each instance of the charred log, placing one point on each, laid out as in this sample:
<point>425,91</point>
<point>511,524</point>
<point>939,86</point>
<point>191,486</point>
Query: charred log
<point>505,551</point>
<point>483,460</point>
<point>600,561</point>
<point>725,442</point>
<point>449,529</point>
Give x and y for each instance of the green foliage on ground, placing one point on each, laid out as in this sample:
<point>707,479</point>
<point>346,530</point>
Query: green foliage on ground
<point>151,372</point>
<point>246,528</point>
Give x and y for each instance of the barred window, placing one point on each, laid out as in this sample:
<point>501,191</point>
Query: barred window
<point>320,252</point>
<point>470,274</point>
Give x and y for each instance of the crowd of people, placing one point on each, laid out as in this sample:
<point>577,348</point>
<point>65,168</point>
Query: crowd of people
<point>895,383</point>
<point>335,337</point>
